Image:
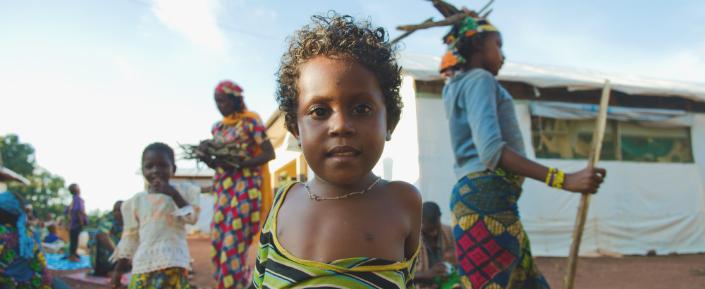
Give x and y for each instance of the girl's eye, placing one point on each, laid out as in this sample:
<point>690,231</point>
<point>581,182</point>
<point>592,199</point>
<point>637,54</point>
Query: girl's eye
<point>363,109</point>
<point>318,112</point>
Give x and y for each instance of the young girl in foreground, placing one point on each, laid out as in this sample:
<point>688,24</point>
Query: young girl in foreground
<point>346,228</point>
<point>154,233</point>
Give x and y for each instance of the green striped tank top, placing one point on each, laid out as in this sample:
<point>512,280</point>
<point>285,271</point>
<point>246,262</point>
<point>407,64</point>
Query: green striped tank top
<point>276,268</point>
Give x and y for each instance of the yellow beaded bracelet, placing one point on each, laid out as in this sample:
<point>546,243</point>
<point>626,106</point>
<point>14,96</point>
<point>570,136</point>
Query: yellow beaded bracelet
<point>558,179</point>
<point>555,178</point>
<point>549,176</point>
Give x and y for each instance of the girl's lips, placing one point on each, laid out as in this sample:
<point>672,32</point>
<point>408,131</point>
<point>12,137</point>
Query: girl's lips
<point>153,179</point>
<point>343,151</point>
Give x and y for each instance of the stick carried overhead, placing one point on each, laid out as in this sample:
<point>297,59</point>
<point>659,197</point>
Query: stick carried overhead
<point>452,16</point>
<point>407,33</point>
<point>594,157</point>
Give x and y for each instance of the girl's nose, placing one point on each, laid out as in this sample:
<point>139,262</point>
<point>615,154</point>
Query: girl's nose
<point>340,125</point>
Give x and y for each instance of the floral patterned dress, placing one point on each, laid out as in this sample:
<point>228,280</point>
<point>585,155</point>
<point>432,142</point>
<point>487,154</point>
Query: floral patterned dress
<point>238,206</point>
<point>17,272</point>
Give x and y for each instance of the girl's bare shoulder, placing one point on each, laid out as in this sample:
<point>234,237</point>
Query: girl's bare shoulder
<point>405,193</point>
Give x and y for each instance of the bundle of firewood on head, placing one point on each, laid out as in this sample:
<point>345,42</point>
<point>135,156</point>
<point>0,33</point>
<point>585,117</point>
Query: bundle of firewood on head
<point>452,17</point>
<point>225,155</point>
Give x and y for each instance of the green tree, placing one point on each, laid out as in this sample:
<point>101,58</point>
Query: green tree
<point>17,156</point>
<point>46,191</point>
<point>96,218</point>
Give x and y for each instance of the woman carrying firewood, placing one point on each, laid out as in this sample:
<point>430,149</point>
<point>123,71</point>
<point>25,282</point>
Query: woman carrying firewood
<point>238,152</point>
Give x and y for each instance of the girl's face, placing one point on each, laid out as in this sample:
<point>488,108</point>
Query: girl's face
<point>226,104</point>
<point>157,166</point>
<point>491,53</point>
<point>342,119</point>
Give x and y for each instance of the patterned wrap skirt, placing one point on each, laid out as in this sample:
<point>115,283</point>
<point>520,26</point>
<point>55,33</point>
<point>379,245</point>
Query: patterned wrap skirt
<point>169,278</point>
<point>492,248</point>
<point>235,223</point>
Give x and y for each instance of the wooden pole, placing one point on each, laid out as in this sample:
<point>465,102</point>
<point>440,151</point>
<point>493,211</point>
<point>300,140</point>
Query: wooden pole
<point>594,157</point>
<point>407,33</point>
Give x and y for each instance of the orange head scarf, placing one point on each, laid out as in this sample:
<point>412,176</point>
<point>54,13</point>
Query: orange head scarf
<point>231,88</point>
<point>448,61</point>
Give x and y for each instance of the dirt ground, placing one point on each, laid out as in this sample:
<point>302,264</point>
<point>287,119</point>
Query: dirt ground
<point>633,272</point>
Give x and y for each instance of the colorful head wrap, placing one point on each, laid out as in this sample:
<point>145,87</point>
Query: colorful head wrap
<point>9,203</point>
<point>229,87</point>
<point>448,61</point>
<point>467,28</point>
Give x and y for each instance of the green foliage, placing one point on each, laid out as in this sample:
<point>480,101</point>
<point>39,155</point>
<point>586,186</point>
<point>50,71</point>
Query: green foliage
<point>17,156</point>
<point>46,191</point>
<point>95,218</point>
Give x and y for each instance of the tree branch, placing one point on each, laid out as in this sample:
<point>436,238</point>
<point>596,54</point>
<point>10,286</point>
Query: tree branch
<point>407,33</point>
<point>450,20</point>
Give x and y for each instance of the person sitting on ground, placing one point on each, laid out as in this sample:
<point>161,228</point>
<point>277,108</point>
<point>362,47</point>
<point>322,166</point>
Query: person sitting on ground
<point>51,236</point>
<point>51,242</point>
<point>22,264</point>
<point>434,269</point>
<point>103,240</point>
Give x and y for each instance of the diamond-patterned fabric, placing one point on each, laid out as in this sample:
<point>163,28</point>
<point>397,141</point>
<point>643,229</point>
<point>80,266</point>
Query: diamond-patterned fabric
<point>492,248</point>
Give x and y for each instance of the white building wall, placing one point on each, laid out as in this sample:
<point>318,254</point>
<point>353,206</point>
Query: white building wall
<point>400,159</point>
<point>640,207</point>
<point>436,157</point>
<point>205,218</point>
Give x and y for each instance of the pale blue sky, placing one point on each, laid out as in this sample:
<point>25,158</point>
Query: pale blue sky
<point>90,83</point>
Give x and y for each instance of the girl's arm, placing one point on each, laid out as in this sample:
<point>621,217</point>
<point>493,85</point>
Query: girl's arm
<point>583,181</point>
<point>103,239</point>
<point>159,186</point>
<point>480,103</point>
<point>411,199</point>
<point>188,207</point>
<point>261,159</point>
<point>120,267</point>
<point>178,199</point>
<point>258,133</point>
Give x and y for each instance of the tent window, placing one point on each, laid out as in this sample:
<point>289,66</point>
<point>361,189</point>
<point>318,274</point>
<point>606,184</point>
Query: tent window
<point>571,139</point>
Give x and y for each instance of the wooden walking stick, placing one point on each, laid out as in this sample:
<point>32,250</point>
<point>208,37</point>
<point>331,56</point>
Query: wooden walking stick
<point>594,157</point>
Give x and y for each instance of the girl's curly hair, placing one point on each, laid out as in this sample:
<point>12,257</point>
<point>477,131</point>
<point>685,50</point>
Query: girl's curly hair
<point>339,36</point>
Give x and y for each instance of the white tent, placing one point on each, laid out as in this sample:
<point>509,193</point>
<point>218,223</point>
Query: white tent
<point>425,67</point>
<point>642,206</point>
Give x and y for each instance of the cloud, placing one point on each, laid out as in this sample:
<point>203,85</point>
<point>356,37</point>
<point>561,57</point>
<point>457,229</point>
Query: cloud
<point>576,44</point>
<point>685,64</point>
<point>268,14</point>
<point>125,69</point>
<point>195,20</point>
